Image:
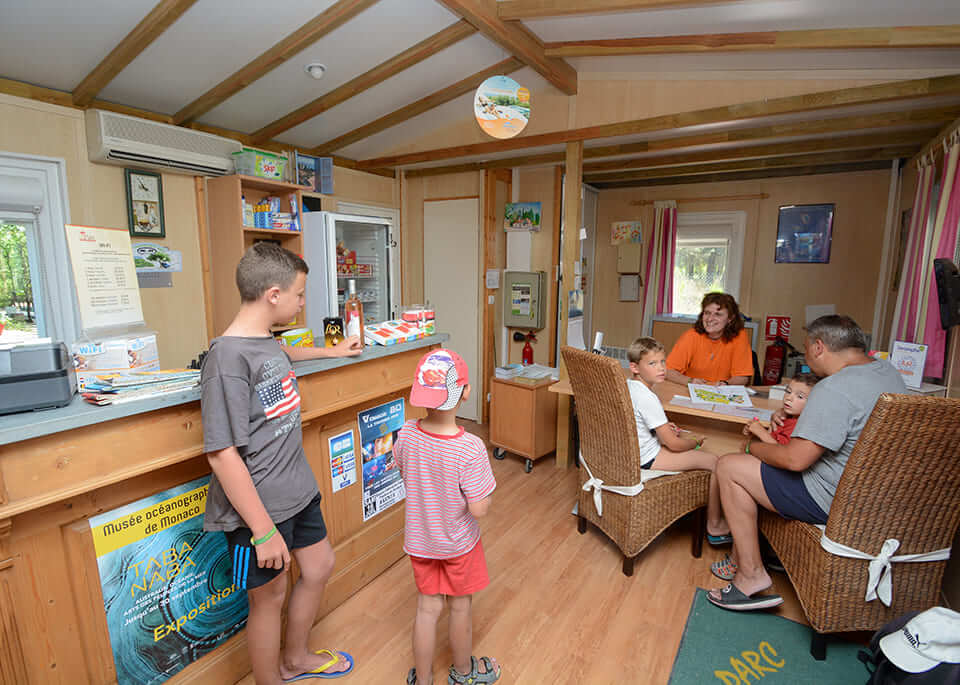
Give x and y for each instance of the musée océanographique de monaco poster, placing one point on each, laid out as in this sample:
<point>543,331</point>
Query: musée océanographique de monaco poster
<point>168,587</point>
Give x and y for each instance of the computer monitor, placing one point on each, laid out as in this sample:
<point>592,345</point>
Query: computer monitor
<point>948,291</point>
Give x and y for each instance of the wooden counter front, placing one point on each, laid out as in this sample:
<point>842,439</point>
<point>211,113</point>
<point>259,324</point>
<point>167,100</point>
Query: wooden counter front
<point>53,628</point>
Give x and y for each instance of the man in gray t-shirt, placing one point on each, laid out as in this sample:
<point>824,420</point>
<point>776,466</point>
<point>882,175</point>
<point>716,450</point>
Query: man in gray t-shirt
<point>798,480</point>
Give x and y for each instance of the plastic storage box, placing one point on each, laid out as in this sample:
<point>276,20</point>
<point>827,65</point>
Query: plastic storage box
<point>262,164</point>
<point>38,376</point>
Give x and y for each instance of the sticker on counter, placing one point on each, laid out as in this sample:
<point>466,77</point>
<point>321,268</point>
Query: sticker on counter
<point>382,482</point>
<point>343,461</point>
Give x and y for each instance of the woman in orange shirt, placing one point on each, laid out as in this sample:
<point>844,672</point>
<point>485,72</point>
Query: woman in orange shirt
<point>716,350</point>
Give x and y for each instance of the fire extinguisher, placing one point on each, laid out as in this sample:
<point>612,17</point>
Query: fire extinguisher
<point>776,355</point>
<point>527,355</point>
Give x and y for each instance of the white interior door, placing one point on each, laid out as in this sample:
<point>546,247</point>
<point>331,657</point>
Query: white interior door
<point>451,282</point>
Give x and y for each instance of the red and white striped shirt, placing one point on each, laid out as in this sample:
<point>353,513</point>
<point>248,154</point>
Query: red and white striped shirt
<point>441,473</point>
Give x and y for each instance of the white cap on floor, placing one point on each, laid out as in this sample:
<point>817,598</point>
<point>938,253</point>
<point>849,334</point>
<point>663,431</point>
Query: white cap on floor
<point>927,640</point>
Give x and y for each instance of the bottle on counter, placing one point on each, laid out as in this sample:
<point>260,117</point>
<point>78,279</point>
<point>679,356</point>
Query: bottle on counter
<point>353,312</point>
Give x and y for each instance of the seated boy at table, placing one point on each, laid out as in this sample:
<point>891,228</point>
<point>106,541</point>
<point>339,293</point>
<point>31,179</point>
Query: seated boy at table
<point>794,400</point>
<point>661,444</point>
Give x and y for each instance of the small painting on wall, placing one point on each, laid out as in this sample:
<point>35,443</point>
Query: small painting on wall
<point>521,216</point>
<point>804,234</point>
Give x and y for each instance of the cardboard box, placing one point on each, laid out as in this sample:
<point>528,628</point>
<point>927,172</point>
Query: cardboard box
<point>114,355</point>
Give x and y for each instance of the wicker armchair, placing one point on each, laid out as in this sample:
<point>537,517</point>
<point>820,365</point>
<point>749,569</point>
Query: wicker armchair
<point>902,481</point>
<point>608,442</point>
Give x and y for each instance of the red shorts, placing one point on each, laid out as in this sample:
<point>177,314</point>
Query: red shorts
<point>458,576</point>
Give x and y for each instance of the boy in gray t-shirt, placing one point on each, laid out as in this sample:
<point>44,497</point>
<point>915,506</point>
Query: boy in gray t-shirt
<point>263,494</point>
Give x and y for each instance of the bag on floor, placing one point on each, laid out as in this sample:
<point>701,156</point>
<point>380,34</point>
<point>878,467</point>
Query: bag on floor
<point>917,648</point>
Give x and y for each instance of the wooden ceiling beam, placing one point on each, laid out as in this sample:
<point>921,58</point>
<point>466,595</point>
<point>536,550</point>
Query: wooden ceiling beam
<point>518,40</point>
<point>422,105</point>
<point>879,93</point>
<point>809,170</point>
<point>882,140</point>
<point>143,34</point>
<point>820,39</point>
<point>305,36</point>
<point>406,59</point>
<point>895,152</point>
<point>923,118</point>
<point>529,9</point>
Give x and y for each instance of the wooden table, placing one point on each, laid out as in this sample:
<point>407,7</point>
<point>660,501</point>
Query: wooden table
<point>723,433</point>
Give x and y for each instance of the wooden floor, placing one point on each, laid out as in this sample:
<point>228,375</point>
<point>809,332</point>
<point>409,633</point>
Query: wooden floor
<point>558,608</point>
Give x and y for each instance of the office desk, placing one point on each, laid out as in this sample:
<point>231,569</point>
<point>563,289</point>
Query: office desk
<point>722,433</point>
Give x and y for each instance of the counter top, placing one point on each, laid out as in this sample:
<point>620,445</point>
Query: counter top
<point>33,424</point>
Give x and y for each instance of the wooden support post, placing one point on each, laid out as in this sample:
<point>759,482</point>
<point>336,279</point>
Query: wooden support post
<point>572,187</point>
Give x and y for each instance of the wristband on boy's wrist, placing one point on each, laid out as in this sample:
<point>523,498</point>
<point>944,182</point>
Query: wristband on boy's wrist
<point>260,541</point>
<point>746,448</point>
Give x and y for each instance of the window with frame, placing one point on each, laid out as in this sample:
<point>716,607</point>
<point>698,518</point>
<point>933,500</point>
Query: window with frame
<point>708,257</point>
<point>36,284</point>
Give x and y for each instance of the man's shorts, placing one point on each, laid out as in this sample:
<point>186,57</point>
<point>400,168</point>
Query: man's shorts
<point>789,496</point>
<point>458,576</point>
<point>303,529</point>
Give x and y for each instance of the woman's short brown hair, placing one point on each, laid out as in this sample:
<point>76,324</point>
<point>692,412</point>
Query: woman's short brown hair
<point>734,325</point>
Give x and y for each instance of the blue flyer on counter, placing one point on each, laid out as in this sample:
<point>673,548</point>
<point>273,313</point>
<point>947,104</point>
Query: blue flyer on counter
<point>168,587</point>
<point>343,462</point>
<point>382,482</point>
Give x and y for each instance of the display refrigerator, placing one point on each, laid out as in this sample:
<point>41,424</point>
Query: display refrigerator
<point>340,247</point>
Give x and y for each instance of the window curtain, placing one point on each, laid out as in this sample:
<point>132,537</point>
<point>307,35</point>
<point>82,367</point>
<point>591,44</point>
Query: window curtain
<point>943,244</point>
<point>911,279</point>
<point>658,272</point>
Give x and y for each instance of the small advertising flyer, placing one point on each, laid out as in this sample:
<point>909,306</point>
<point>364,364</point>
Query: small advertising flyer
<point>107,289</point>
<point>382,482</point>
<point>724,395</point>
<point>168,587</point>
<point>343,460</point>
<point>909,359</point>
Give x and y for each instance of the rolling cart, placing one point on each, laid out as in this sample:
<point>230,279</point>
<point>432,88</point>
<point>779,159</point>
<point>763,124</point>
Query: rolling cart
<point>523,418</point>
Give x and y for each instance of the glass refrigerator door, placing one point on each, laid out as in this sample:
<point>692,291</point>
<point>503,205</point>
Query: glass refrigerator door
<point>363,247</point>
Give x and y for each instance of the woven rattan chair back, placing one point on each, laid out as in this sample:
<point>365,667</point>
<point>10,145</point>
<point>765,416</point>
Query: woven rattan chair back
<point>903,477</point>
<point>608,429</point>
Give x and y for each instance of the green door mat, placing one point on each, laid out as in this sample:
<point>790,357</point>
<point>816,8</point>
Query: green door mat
<point>744,648</point>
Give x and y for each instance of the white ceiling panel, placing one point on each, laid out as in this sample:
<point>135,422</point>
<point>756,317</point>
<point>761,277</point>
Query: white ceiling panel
<point>436,120</point>
<point>387,29</point>
<point>914,63</point>
<point>765,15</point>
<point>211,41</point>
<point>441,70</point>
<point>56,44</point>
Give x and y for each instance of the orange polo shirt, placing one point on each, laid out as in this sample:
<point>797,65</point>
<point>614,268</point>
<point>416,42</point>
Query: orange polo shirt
<point>698,356</point>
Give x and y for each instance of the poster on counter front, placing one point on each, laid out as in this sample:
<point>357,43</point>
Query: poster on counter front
<point>168,587</point>
<point>108,293</point>
<point>382,482</point>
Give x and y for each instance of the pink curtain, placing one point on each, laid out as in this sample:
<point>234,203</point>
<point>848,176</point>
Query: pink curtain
<point>658,273</point>
<point>911,280</point>
<point>943,244</point>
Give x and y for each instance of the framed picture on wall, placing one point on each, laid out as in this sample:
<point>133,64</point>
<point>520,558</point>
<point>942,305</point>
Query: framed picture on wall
<point>144,203</point>
<point>804,234</point>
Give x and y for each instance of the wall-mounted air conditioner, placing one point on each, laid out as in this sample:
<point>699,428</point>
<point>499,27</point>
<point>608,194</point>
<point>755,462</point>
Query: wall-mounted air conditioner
<point>131,141</point>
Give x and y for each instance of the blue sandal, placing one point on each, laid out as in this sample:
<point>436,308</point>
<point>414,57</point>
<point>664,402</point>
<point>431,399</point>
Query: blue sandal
<point>720,540</point>
<point>474,676</point>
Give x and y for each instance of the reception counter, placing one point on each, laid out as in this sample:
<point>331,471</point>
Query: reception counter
<point>61,467</point>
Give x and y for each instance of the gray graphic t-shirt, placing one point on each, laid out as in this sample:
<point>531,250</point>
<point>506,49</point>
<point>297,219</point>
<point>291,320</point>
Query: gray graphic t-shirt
<point>250,400</point>
<point>836,412</point>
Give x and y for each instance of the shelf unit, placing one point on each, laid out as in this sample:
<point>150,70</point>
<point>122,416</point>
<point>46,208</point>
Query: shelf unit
<point>229,238</point>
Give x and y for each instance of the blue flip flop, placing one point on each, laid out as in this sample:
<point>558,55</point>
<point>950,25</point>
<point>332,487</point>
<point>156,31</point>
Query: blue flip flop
<point>319,672</point>
<point>720,540</point>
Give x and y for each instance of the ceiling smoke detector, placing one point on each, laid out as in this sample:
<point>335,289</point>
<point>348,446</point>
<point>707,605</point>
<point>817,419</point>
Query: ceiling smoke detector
<point>316,70</point>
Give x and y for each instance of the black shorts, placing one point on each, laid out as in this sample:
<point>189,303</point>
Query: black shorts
<point>789,496</point>
<point>303,529</point>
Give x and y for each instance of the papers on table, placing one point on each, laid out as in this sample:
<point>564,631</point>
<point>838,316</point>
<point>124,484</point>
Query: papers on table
<point>525,372</point>
<point>725,395</point>
<point>742,412</point>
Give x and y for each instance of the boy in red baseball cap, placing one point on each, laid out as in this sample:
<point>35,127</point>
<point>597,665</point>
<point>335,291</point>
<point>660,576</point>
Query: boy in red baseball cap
<point>448,480</point>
